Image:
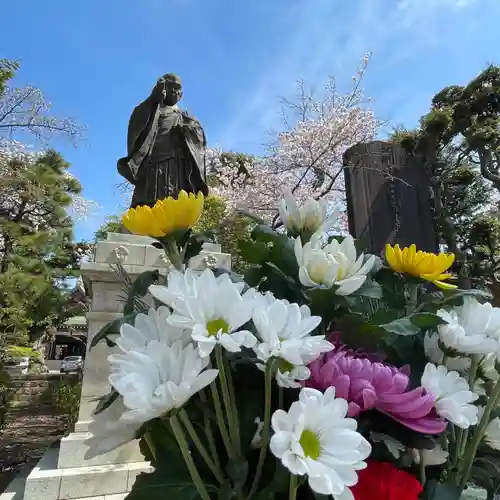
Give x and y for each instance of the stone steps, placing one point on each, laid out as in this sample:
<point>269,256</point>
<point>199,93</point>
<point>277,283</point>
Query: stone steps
<point>72,453</point>
<point>47,482</point>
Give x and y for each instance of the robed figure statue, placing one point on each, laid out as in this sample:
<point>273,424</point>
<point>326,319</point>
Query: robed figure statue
<point>165,147</point>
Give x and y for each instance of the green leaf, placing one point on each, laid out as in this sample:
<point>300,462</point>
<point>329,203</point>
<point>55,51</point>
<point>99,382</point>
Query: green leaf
<point>281,253</point>
<point>370,289</point>
<point>426,320</point>
<point>110,328</point>
<point>265,233</point>
<point>452,296</point>
<point>170,480</point>
<point>254,276</point>
<point>486,470</point>
<point>279,484</point>
<point>435,490</point>
<point>322,301</point>
<point>161,485</point>
<point>106,401</point>
<point>253,217</point>
<point>237,470</point>
<point>140,288</point>
<point>411,325</point>
<point>254,252</point>
<point>194,244</point>
<point>402,326</point>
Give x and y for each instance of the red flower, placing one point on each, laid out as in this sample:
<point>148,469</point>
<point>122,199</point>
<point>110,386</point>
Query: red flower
<point>383,481</point>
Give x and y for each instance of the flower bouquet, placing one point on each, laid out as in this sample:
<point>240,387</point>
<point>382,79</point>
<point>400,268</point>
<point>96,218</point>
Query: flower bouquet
<point>322,372</point>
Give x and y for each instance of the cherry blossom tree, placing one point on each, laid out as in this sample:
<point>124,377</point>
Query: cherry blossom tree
<point>25,109</point>
<point>306,156</point>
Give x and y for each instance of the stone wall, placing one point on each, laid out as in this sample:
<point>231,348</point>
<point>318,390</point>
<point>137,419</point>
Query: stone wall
<point>35,390</point>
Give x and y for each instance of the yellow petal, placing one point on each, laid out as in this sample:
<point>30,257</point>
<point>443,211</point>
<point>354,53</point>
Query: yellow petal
<point>444,286</point>
<point>410,257</point>
<point>426,265</point>
<point>392,260</point>
<point>444,262</point>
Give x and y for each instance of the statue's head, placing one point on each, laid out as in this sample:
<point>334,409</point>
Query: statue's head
<point>170,88</point>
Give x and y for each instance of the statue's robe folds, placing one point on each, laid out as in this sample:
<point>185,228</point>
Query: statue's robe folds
<point>166,154</point>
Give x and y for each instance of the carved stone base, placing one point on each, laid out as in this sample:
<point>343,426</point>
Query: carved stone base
<point>65,474</point>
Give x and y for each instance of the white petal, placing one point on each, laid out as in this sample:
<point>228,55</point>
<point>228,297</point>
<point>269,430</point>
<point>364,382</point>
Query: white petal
<point>350,285</point>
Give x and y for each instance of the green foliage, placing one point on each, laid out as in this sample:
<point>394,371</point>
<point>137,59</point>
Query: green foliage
<point>112,224</point>
<point>8,70</point>
<point>16,351</point>
<point>228,229</point>
<point>169,480</point>
<point>68,402</point>
<point>486,471</point>
<point>6,394</point>
<point>38,253</point>
<point>458,141</point>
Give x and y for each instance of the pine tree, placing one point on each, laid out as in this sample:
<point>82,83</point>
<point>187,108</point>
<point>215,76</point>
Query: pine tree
<point>37,254</point>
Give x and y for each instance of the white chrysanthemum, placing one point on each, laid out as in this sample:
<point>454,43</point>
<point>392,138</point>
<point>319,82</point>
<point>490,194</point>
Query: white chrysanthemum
<point>310,217</point>
<point>335,264</point>
<point>488,369</point>
<point>435,355</point>
<point>158,379</point>
<point>315,438</point>
<point>148,327</point>
<point>436,456</point>
<point>284,331</point>
<point>108,431</point>
<point>290,376</point>
<point>180,285</point>
<point>453,397</point>
<point>469,327</point>
<point>213,308</point>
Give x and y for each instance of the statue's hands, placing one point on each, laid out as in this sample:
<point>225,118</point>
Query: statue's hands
<point>159,91</point>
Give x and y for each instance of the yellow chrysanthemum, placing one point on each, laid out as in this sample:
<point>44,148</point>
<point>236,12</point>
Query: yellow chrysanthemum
<point>166,216</point>
<point>428,266</point>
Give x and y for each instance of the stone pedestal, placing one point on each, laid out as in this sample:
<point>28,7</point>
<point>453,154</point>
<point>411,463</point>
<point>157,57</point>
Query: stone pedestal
<point>66,474</point>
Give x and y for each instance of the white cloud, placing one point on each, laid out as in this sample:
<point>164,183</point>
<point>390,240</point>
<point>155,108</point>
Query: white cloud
<point>329,39</point>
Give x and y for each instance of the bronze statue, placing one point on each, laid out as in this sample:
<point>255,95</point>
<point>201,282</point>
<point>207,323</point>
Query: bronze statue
<point>165,146</point>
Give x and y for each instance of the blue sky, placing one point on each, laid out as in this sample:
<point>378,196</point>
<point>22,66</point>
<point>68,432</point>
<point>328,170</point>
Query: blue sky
<point>95,60</point>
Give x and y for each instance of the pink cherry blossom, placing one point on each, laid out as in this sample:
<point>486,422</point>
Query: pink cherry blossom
<point>306,157</point>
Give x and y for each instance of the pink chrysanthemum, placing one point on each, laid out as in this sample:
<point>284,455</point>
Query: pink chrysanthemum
<point>366,384</point>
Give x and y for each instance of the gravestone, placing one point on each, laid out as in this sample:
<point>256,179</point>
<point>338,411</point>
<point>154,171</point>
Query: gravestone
<point>388,198</point>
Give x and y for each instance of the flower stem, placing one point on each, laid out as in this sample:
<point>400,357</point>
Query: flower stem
<point>172,251</point>
<point>422,468</point>
<point>208,431</point>
<point>234,409</point>
<point>464,435</point>
<point>199,446</point>
<point>473,370</point>
<point>266,429</point>
<point>292,492</point>
<point>183,445</point>
<point>478,435</point>
<point>220,419</point>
